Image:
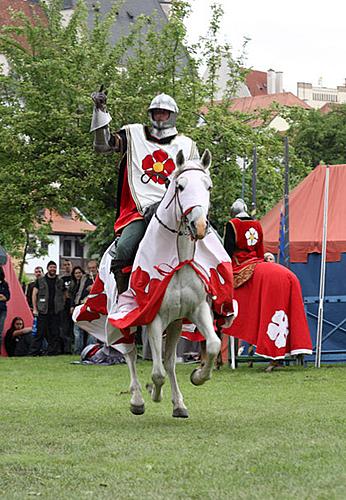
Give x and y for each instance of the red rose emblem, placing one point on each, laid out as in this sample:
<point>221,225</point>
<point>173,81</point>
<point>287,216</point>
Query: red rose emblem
<point>158,166</point>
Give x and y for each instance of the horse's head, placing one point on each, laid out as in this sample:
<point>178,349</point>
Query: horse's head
<point>192,187</point>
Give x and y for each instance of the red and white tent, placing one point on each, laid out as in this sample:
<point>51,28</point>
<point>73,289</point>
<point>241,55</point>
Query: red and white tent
<point>306,217</point>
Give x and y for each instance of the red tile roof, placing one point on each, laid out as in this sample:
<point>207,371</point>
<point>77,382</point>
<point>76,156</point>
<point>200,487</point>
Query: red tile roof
<point>328,107</point>
<point>30,9</point>
<point>256,82</point>
<point>251,104</point>
<point>72,223</point>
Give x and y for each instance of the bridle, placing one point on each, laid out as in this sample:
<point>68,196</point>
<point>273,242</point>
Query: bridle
<point>176,199</point>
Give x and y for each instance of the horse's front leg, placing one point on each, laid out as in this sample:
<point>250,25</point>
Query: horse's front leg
<point>172,337</point>
<point>203,319</point>
<point>158,374</point>
<point>137,401</point>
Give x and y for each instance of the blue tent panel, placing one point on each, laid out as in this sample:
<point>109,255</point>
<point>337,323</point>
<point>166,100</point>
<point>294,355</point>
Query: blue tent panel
<point>334,323</point>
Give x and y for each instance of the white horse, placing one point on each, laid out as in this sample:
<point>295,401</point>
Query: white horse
<point>184,215</point>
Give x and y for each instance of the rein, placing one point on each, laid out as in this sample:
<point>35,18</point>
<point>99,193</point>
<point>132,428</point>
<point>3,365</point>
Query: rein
<point>175,197</point>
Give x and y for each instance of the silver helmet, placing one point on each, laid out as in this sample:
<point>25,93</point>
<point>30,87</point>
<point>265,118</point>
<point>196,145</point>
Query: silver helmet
<point>239,208</point>
<point>167,128</point>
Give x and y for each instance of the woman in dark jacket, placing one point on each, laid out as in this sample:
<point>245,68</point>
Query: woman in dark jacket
<point>78,290</point>
<point>4,298</point>
<point>18,338</point>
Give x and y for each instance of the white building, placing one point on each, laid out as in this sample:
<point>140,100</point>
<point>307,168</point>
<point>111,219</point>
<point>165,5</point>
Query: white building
<point>68,232</point>
<point>318,96</point>
<point>255,83</point>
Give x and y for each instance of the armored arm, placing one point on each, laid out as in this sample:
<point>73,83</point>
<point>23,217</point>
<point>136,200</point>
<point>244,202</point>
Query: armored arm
<point>104,141</point>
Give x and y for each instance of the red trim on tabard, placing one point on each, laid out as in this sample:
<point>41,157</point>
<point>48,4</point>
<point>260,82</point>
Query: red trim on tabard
<point>96,303</point>
<point>128,210</point>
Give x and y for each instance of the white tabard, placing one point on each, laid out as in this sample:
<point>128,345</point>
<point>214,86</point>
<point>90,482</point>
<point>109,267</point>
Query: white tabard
<point>149,163</point>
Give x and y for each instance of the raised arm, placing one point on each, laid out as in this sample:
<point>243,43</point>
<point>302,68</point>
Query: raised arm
<point>104,141</point>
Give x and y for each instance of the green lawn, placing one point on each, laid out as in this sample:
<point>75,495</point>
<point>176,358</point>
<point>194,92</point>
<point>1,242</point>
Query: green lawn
<point>67,432</point>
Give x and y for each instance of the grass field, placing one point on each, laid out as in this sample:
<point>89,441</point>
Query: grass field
<point>66,432</point>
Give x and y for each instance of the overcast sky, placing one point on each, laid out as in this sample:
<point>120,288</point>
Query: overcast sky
<point>304,39</point>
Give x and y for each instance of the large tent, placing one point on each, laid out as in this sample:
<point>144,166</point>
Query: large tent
<point>306,205</point>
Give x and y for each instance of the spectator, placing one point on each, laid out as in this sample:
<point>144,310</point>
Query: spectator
<point>269,257</point>
<point>92,269</point>
<point>78,291</point>
<point>38,272</point>
<point>66,333</point>
<point>18,338</point>
<point>48,302</point>
<point>4,298</point>
<point>67,272</point>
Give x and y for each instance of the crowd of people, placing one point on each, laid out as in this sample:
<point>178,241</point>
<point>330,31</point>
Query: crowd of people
<point>51,299</point>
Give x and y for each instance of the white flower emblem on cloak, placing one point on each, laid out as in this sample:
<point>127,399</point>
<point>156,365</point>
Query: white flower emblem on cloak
<point>251,236</point>
<point>278,329</point>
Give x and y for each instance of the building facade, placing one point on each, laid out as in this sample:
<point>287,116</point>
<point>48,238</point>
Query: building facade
<point>319,96</point>
<point>66,241</point>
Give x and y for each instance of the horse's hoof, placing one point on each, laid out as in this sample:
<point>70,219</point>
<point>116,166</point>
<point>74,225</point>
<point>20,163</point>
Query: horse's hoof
<point>180,413</point>
<point>137,410</point>
<point>194,380</point>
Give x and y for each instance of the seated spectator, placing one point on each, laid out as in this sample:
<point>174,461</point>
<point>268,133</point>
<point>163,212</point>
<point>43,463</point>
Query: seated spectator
<point>269,257</point>
<point>18,338</point>
<point>78,291</point>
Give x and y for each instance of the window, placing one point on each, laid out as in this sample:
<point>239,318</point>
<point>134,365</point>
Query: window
<point>44,246</point>
<point>79,248</point>
<point>325,97</point>
<point>68,4</point>
<point>67,248</point>
<point>32,245</point>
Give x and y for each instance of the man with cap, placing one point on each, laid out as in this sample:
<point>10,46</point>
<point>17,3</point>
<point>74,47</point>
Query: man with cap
<point>48,301</point>
<point>148,160</point>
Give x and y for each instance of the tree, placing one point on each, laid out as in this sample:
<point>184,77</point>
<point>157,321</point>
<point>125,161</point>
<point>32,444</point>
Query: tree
<point>321,137</point>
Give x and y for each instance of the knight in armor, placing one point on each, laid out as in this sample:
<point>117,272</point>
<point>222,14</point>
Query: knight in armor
<point>271,312</point>
<point>148,160</point>
<point>243,242</point>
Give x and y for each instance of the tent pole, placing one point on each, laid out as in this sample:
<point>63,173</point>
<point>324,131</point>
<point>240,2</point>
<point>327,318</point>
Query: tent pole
<point>286,209</point>
<point>323,272</point>
<point>254,184</point>
<point>232,348</point>
<point>243,179</point>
